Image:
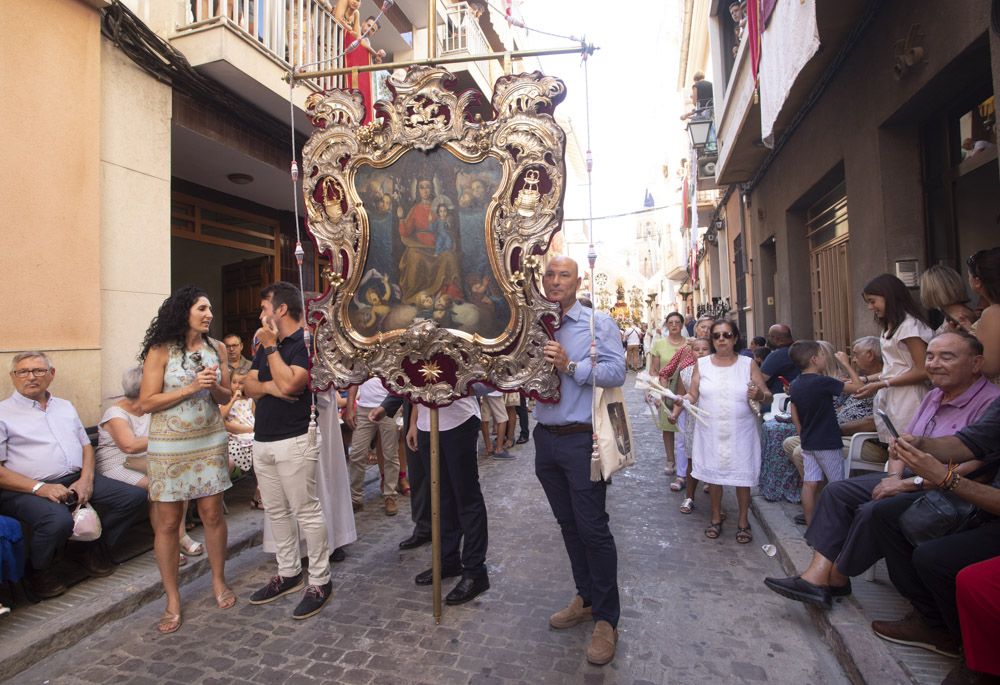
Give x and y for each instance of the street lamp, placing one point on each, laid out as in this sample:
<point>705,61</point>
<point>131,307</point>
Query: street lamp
<point>701,132</point>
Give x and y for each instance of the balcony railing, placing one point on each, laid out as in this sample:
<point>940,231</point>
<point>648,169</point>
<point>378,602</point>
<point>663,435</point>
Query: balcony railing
<point>294,32</point>
<point>460,32</point>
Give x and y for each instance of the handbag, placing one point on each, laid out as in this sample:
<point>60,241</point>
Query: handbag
<point>939,513</point>
<point>86,524</point>
<point>615,447</point>
<point>935,515</point>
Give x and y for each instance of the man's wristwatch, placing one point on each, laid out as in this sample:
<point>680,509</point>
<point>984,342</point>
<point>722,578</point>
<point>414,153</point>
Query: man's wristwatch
<point>571,368</point>
<point>271,350</point>
<point>919,482</point>
<point>38,486</point>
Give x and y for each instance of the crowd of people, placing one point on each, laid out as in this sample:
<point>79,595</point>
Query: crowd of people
<point>927,396</point>
<point>196,411</point>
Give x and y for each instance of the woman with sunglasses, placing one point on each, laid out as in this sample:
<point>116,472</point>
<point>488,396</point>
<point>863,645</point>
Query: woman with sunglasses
<point>984,279</point>
<point>901,386</point>
<point>727,451</point>
<point>183,383</point>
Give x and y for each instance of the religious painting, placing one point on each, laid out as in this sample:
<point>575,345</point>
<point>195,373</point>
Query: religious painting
<point>427,253</point>
<point>435,223</point>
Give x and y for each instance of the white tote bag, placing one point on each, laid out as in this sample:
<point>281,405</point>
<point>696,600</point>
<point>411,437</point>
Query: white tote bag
<point>616,450</point>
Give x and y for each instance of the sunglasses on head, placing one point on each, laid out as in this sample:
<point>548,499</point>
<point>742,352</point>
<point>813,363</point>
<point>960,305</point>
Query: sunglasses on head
<point>728,335</point>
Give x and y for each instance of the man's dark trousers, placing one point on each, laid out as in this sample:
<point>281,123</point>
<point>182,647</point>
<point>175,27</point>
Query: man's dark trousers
<point>522,417</point>
<point>420,486</point>
<point>51,523</point>
<point>926,575</point>
<point>562,464</point>
<point>463,509</point>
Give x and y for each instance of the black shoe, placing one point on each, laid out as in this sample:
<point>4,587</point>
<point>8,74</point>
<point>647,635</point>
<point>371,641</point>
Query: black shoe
<point>801,591</point>
<point>338,555</point>
<point>467,590</point>
<point>313,600</point>
<point>414,541</point>
<point>278,586</point>
<point>800,519</point>
<point>841,590</point>
<point>521,440</point>
<point>44,584</point>
<point>95,562</point>
<point>427,577</point>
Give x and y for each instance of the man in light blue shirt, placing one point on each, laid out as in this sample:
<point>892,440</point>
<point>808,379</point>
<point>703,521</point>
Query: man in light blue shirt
<point>563,444</point>
<point>47,467</point>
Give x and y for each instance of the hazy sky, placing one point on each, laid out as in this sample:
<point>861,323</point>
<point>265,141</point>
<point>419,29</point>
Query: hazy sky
<point>633,89</point>
<point>634,104</point>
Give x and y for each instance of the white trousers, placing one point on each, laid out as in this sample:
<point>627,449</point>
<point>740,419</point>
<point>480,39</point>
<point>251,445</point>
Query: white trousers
<point>286,476</point>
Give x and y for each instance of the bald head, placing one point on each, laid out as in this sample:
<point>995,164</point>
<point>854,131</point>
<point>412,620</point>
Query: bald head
<point>779,335</point>
<point>561,281</point>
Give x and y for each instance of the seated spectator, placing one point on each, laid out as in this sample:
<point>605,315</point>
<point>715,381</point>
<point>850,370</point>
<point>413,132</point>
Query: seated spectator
<point>943,289</point>
<point>122,437</point>
<point>235,360</point>
<point>841,533</point>
<point>853,415</point>
<point>778,365</point>
<point>47,467</point>
<point>927,575</point>
<point>976,593</point>
<point>984,279</point>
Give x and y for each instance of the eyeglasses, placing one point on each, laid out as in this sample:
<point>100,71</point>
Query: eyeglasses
<point>37,373</point>
<point>196,358</point>
<point>728,335</point>
<point>234,346</point>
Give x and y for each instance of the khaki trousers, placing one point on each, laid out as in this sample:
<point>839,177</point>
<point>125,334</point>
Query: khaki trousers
<point>286,476</point>
<point>364,431</point>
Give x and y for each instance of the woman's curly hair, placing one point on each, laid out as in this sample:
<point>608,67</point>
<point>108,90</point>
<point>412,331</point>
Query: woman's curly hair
<point>170,325</point>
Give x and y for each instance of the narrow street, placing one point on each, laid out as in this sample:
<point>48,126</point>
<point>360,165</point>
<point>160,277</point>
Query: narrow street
<point>694,610</point>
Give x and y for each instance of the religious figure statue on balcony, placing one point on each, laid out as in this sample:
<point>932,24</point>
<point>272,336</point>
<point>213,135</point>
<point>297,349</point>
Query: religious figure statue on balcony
<point>348,15</point>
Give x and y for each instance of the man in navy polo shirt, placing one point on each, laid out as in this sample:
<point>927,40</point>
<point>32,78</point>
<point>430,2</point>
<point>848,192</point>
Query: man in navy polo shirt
<point>284,456</point>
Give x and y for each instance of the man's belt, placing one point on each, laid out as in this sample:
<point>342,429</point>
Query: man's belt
<point>568,429</point>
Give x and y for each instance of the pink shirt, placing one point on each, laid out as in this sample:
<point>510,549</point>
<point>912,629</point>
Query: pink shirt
<point>936,419</point>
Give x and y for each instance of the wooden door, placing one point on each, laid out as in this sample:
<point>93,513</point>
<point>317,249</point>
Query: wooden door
<point>241,286</point>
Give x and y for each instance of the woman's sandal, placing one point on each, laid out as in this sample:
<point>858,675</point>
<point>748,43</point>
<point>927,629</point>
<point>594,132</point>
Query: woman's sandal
<point>677,485</point>
<point>687,506</point>
<point>226,599</point>
<point>714,530</point>
<point>182,560</point>
<point>191,547</point>
<point>169,623</point>
<point>404,484</point>
<point>743,535</point>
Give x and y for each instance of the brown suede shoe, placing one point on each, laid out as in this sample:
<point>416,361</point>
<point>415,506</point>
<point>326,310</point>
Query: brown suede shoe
<point>913,631</point>
<point>572,615</point>
<point>391,508</point>
<point>601,649</point>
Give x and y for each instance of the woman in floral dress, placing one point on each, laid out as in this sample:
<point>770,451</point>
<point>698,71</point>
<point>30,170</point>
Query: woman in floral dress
<point>183,384</point>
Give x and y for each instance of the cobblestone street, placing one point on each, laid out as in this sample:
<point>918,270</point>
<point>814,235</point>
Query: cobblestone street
<point>693,610</point>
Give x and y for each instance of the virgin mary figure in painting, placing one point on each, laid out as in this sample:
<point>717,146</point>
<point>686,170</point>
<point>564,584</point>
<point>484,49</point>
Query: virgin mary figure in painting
<point>420,269</point>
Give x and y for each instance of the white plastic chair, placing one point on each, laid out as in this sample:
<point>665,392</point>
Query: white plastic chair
<point>853,460</point>
<point>779,405</point>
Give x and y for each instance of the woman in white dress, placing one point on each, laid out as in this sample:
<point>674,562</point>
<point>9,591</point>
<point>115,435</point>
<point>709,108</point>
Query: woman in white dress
<point>728,451</point>
<point>902,384</point>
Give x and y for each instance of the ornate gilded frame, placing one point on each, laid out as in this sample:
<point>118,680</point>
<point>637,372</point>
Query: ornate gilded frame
<point>428,364</point>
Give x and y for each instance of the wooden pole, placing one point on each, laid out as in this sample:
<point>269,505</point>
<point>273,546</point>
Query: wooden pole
<point>436,513</point>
